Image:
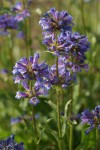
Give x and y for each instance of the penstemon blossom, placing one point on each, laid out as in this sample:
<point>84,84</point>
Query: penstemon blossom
<point>69,47</point>
<point>91,118</point>
<point>64,77</point>
<point>7,22</point>
<point>21,13</point>
<point>54,20</point>
<point>33,92</point>
<point>30,70</point>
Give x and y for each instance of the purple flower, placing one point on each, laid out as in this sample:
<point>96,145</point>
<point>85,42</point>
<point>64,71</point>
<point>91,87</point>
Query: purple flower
<point>9,143</point>
<point>91,118</point>
<point>64,77</point>
<point>42,87</point>
<point>7,22</point>
<point>54,20</point>
<point>67,43</point>
<point>20,95</point>
<point>39,88</point>
<point>18,79</point>
<point>21,12</point>
<point>34,101</point>
<point>21,16</point>
<point>20,118</point>
<point>16,120</point>
<point>17,7</point>
<point>30,69</point>
<point>4,71</point>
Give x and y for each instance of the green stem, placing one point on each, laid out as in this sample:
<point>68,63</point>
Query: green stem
<point>62,96</point>
<point>35,129</point>
<point>57,66</point>
<point>34,123</point>
<point>71,138</point>
<point>71,126</point>
<point>58,112</point>
<point>82,14</point>
<point>26,31</point>
<point>97,139</point>
<point>59,123</point>
<point>26,39</point>
<point>10,45</point>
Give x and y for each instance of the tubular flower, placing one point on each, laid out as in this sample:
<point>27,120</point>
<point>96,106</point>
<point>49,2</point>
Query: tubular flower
<point>54,20</point>
<point>67,43</point>
<point>7,22</point>
<point>39,88</point>
<point>30,69</point>
<point>72,65</point>
<point>64,77</point>
<point>10,144</point>
<point>91,118</point>
<point>21,12</point>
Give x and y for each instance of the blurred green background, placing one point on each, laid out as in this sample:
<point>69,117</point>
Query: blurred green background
<point>86,14</point>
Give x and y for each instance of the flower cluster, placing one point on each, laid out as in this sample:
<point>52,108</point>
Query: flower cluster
<point>29,70</point>
<point>10,21</point>
<point>10,144</point>
<point>69,48</point>
<point>7,22</point>
<point>21,12</point>
<point>91,118</point>
<point>54,20</point>
<point>64,77</point>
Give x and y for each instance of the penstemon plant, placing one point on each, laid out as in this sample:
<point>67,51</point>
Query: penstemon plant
<point>69,50</point>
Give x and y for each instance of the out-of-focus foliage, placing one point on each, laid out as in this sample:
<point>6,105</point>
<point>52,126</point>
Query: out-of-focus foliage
<point>86,14</point>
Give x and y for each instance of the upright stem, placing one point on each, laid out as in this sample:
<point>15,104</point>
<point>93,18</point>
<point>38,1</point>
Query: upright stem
<point>97,139</point>
<point>82,13</point>
<point>26,39</point>
<point>58,112</point>
<point>57,66</point>
<point>71,126</point>
<point>62,96</point>
<point>59,123</point>
<point>35,129</point>
<point>27,31</point>
<point>34,123</point>
<point>71,138</point>
<point>10,44</point>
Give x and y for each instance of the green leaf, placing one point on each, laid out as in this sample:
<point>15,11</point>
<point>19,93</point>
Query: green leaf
<point>43,129</point>
<point>65,118</point>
